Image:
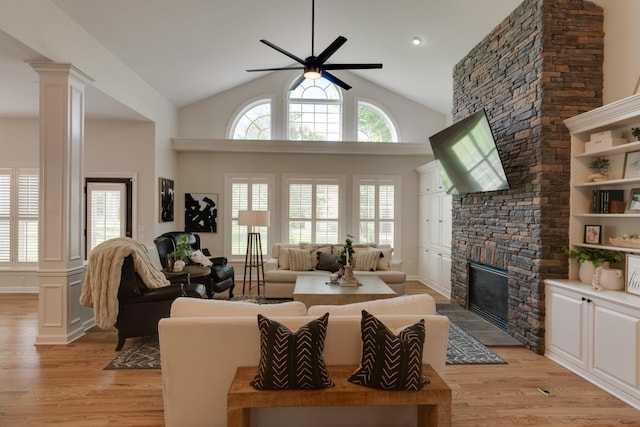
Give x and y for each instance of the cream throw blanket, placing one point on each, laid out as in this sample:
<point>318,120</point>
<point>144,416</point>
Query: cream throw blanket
<point>102,278</point>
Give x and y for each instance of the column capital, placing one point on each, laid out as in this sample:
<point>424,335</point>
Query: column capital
<point>42,67</point>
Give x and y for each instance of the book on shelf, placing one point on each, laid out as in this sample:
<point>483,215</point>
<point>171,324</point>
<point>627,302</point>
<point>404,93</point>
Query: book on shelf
<point>601,200</point>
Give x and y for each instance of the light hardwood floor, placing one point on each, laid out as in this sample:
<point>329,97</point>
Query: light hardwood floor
<point>67,386</point>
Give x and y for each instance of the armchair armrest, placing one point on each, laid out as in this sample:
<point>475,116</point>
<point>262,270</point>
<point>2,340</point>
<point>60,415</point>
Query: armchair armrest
<point>177,277</point>
<point>395,265</point>
<point>219,261</point>
<point>158,294</point>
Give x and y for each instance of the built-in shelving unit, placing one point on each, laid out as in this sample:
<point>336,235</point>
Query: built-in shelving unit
<point>597,333</point>
<point>434,231</point>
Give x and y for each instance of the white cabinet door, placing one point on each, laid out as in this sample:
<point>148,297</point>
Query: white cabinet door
<point>423,221</point>
<point>615,351</point>
<point>446,218</point>
<point>566,325</point>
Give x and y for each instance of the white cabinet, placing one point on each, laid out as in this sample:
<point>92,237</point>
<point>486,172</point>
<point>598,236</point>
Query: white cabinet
<point>434,231</point>
<point>596,334</point>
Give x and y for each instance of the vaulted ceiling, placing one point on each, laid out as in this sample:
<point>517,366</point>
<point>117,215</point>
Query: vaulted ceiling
<point>192,49</point>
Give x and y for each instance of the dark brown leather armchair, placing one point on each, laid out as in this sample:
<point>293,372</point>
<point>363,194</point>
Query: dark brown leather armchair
<point>222,277</point>
<point>140,308</point>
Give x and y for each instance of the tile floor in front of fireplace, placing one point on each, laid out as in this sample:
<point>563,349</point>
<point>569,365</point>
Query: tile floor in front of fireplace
<point>483,331</point>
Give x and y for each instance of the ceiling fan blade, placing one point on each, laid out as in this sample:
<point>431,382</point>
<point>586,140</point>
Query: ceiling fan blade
<point>335,80</point>
<point>279,49</point>
<point>330,50</point>
<point>350,66</point>
<point>276,69</point>
<point>297,82</point>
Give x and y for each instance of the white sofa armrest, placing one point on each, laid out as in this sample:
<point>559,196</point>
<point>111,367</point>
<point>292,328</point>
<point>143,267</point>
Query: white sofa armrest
<point>271,264</point>
<point>395,265</point>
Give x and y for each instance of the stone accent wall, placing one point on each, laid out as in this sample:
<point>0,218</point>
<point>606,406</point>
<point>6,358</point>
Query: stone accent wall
<point>541,65</point>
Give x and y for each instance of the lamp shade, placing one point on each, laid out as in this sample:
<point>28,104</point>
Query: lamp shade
<point>253,218</point>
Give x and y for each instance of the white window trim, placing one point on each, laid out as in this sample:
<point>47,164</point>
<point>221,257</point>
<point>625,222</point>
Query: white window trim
<point>240,112</point>
<point>396,180</point>
<point>229,179</point>
<point>341,180</point>
<point>14,216</point>
<point>375,105</point>
<point>342,102</point>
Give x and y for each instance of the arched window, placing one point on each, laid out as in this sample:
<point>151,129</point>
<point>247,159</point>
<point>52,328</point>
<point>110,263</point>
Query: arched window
<point>374,125</point>
<point>254,122</point>
<point>315,111</point>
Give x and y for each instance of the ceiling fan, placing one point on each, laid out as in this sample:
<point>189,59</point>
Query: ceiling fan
<point>314,66</point>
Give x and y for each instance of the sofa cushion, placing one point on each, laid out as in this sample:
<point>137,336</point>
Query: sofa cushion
<point>327,262</point>
<point>367,260</point>
<point>275,248</point>
<point>283,259</point>
<point>390,361</point>
<point>292,360</point>
<point>299,260</point>
<point>193,307</point>
<point>384,262</point>
<point>406,304</point>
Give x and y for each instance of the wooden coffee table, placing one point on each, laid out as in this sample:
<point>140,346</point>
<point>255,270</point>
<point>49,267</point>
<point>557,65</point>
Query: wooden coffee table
<point>314,290</point>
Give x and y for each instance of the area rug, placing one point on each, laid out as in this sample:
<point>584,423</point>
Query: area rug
<point>463,349</point>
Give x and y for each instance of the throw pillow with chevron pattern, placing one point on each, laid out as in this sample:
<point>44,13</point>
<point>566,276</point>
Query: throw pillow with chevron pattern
<point>390,361</point>
<point>292,360</point>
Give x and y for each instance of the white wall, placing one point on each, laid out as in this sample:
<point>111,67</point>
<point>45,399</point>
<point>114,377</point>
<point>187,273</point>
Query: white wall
<point>205,173</point>
<point>19,142</point>
<point>124,149</point>
<point>621,41</point>
<point>210,117</point>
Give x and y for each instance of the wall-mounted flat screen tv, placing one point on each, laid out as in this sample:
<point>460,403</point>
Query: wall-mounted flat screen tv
<point>468,157</point>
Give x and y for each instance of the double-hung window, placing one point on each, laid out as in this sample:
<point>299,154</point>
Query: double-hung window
<point>377,209</point>
<point>315,207</point>
<point>19,216</point>
<point>248,192</point>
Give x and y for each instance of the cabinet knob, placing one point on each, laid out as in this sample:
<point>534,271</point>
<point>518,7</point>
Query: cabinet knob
<point>586,299</point>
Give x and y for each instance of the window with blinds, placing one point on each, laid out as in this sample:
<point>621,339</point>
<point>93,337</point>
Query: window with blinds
<point>248,193</point>
<point>106,217</point>
<point>377,209</point>
<point>314,209</point>
<point>19,206</point>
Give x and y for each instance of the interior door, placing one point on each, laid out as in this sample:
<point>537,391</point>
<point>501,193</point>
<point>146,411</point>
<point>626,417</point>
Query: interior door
<point>108,211</point>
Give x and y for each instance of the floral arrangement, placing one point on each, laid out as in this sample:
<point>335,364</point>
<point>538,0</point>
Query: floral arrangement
<point>345,257</point>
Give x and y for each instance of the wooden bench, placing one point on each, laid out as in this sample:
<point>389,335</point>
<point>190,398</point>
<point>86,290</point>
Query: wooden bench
<point>433,401</point>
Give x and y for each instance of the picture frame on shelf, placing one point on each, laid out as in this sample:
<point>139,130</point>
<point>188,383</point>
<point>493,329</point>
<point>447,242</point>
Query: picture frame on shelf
<point>593,234</point>
<point>632,281</point>
<point>631,165</point>
<point>633,204</point>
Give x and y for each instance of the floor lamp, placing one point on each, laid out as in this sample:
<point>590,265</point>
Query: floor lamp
<point>253,257</point>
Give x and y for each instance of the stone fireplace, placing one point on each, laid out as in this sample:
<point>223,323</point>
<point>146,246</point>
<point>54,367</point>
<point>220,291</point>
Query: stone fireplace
<point>541,65</point>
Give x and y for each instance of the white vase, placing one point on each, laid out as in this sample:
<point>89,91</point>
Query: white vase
<point>178,265</point>
<point>587,270</point>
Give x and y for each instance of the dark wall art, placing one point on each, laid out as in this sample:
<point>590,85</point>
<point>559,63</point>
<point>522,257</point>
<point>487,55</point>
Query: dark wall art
<point>201,212</point>
<point>166,199</point>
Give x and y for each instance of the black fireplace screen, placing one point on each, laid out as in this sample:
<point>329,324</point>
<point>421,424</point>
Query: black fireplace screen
<point>489,294</point>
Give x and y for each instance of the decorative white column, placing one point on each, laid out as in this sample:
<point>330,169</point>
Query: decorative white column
<point>61,241</point>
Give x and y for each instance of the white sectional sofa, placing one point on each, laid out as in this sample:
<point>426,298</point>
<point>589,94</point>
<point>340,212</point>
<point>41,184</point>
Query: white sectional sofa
<point>205,341</point>
<point>280,279</point>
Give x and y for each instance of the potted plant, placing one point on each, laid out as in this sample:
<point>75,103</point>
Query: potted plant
<point>181,252</point>
<point>342,259</point>
<point>600,169</point>
<point>636,133</point>
<point>590,259</point>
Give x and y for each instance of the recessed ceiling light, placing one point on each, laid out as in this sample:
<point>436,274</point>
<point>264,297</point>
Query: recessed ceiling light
<point>416,41</point>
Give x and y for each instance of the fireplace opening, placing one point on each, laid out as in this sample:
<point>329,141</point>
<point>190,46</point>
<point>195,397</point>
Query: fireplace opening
<point>489,294</point>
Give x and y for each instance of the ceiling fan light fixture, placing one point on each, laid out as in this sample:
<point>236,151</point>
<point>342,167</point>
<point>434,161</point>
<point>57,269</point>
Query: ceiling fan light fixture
<point>312,73</point>
<point>416,41</point>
